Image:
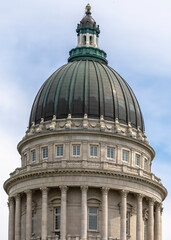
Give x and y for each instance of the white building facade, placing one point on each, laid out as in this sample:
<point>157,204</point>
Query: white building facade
<point>85,160</point>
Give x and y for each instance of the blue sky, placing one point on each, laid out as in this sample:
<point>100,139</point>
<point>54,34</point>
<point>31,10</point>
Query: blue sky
<point>35,38</point>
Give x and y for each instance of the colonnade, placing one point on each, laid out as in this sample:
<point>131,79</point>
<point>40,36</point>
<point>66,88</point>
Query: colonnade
<point>15,216</point>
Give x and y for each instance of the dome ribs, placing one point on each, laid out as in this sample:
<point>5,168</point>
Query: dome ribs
<point>93,98</point>
<point>72,87</point>
<point>108,95</point>
<point>49,106</point>
<point>35,105</point>
<point>100,88</point>
<point>86,88</point>
<point>58,91</point>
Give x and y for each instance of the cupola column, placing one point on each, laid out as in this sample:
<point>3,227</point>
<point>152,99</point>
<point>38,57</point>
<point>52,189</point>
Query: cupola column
<point>17,217</point>
<point>105,213</point>
<point>63,211</point>
<point>11,218</point>
<point>29,215</point>
<point>157,222</point>
<point>151,220</point>
<point>44,212</point>
<point>84,212</point>
<point>139,217</point>
<point>123,214</point>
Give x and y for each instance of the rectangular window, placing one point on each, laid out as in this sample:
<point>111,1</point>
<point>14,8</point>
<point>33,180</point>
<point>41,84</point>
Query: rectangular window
<point>137,159</point>
<point>145,164</point>
<point>33,155</point>
<point>93,219</point>
<point>128,224</point>
<point>57,213</point>
<point>125,156</point>
<point>45,152</point>
<point>59,150</point>
<point>93,151</point>
<point>110,152</point>
<point>76,150</point>
<point>25,159</point>
<point>33,219</point>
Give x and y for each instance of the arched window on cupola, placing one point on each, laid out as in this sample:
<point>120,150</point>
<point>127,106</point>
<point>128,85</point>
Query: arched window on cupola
<point>84,40</point>
<point>91,40</point>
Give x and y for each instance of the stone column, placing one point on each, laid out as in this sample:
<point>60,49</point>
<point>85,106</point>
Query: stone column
<point>139,217</point>
<point>151,220</point>
<point>63,211</point>
<point>44,212</point>
<point>11,218</point>
<point>84,213</point>
<point>17,217</point>
<point>161,211</point>
<point>29,215</point>
<point>105,213</point>
<point>123,214</point>
<point>157,222</point>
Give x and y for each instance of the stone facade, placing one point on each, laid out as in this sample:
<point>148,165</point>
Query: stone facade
<point>75,183</point>
<point>86,178</point>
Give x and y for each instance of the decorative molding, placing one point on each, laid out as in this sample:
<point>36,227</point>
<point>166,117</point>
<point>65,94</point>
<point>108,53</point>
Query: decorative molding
<point>101,124</point>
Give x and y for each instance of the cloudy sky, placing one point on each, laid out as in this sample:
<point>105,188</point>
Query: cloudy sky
<point>35,38</point>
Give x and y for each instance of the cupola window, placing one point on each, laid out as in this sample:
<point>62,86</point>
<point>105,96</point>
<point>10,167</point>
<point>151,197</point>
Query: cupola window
<point>76,150</point>
<point>45,152</point>
<point>91,40</point>
<point>33,155</point>
<point>110,152</point>
<point>59,150</point>
<point>145,164</point>
<point>137,159</point>
<point>93,151</point>
<point>84,40</point>
<point>125,156</point>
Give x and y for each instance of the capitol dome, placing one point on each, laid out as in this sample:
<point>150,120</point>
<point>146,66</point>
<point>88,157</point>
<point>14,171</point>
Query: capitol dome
<point>87,87</point>
<point>86,162</point>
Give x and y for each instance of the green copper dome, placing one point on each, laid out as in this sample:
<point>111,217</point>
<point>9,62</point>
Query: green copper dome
<point>86,87</point>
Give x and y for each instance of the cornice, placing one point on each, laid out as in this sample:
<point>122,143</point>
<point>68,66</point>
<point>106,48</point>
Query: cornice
<point>54,172</point>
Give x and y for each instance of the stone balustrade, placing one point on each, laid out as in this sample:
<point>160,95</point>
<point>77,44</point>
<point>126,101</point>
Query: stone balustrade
<point>81,164</point>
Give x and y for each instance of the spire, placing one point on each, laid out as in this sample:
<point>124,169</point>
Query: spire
<point>88,8</point>
<point>88,36</point>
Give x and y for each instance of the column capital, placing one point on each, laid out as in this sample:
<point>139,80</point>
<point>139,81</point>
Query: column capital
<point>63,188</point>
<point>17,196</point>
<point>44,190</point>
<point>124,193</point>
<point>151,201</point>
<point>105,190</point>
<point>11,200</point>
<point>84,188</point>
<point>140,196</point>
<point>28,192</point>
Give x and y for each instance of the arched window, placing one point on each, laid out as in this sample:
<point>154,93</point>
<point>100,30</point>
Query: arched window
<point>91,40</point>
<point>84,40</point>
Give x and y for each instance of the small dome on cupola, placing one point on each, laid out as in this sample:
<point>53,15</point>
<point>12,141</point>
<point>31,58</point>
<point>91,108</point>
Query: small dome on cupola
<point>88,21</point>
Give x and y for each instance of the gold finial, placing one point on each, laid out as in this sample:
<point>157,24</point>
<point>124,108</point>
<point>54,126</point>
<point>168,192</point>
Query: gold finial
<point>88,7</point>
